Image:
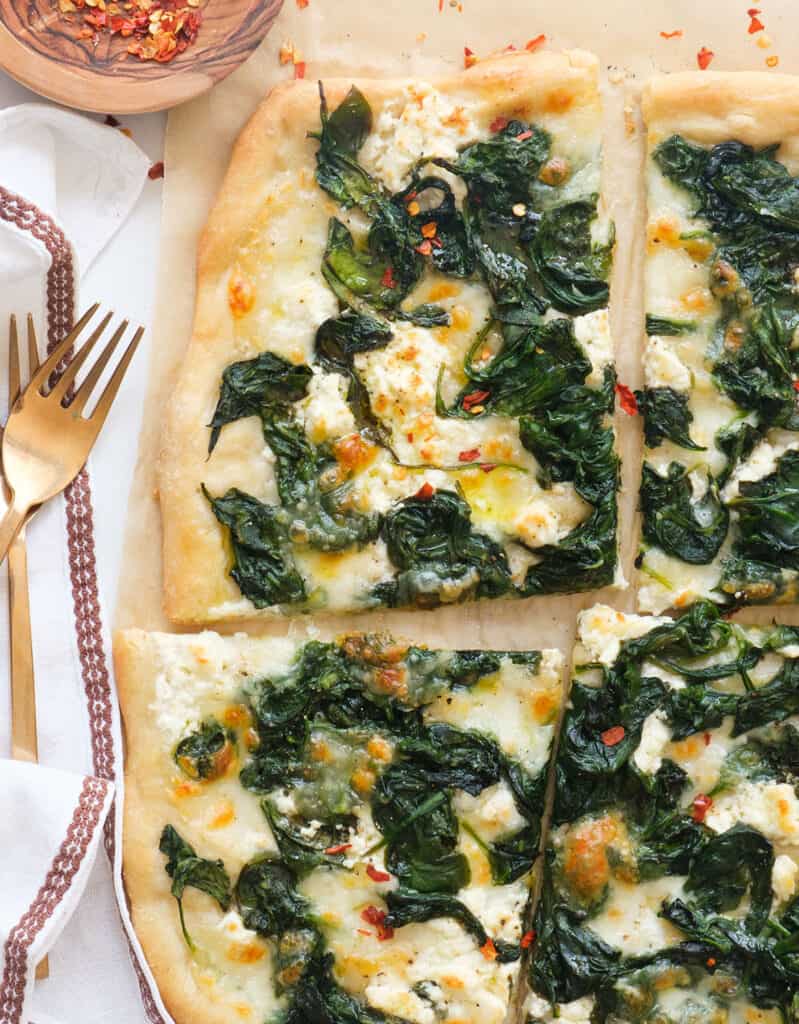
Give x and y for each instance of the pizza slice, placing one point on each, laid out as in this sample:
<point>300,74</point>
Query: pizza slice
<point>399,386</point>
<point>672,865</point>
<point>720,487</point>
<point>332,832</point>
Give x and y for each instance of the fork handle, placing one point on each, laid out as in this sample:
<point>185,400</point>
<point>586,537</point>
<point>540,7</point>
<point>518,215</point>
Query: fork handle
<point>11,524</point>
<point>23,696</point>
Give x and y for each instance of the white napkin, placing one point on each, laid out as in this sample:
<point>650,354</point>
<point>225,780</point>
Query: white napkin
<point>66,185</point>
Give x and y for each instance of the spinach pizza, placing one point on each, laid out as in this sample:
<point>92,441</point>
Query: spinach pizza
<point>671,888</point>
<point>399,386</point>
<point>332,833</point>
<point>720,485</point>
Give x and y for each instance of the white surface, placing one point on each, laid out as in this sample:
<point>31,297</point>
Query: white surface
<point>91,956</point>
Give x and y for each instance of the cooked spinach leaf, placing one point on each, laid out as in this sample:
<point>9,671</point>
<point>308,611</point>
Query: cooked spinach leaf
<point>185,868</point>
<point>450,248</point>
<point>768,515</point>
<point>737,441</point>
<point>342,134</point>
<point>250,385</point>
<point>732,863</point>
<point>207,752</point>
<point>668,326</point>
<point>439,556</point>
<point>692,529</point>
<point>570,960</point>
<point>407,907</point>
<point>364,277</point>
<point>572,269</point>
<point>532,368</point>
<point>666,417</point>
<point>263,566</point>
<point>267,898</point>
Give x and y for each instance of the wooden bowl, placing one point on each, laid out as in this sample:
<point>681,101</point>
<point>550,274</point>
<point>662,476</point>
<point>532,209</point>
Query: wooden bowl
<point>43,51</point>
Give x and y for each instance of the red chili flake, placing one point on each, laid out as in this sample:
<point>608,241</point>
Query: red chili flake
<point>488,467</point>
<point>704,57</point>
<point>156,171</point>
<point>474,398</point>
<point>472,455</point>
<point>711,962</point>
<point>363,931</point>
<point>377,876</point>
<point>701,806</point>
<point>796,385</point>
<point>387,280</point>
<point>332,850</point>
<point>523,135</point>
<point>610,737</point>
<point>299,69</point>
<point>425,492</point>
<point>158,30</point>
<point>707,739</point>
<point>676,34</point>
<point>489,950</point>
<point>469,57</point>
<point>527,939</point>
<point>498,124</point>
<point>627,399</point>
<point>755,24</point>
<point>533,44</point>
<point>377,918</point>
<point>409,435</point>
<point>111,121</point>
<point>424,248</point>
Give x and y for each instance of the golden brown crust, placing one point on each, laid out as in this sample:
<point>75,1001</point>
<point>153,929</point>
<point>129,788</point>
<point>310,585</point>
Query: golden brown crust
<point>197,588</point>
<point>755,107</point>
<point>146,809</point>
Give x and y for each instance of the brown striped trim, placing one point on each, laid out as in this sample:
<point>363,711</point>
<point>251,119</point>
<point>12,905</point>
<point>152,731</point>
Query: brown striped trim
<point>65,866</point>
<point>61,282</point>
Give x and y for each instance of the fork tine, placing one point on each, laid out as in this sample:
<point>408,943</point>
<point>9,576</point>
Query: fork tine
<point>13,363</point>
<point>106,399</point>
<point>88,385</point>
<point>63,383</point>
<point>33,348</point>
<point>61,349</point>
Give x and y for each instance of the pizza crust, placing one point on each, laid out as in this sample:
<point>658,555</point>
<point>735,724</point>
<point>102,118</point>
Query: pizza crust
<point>146,808</point>
<point>755,107</point>
<point>263,176</point>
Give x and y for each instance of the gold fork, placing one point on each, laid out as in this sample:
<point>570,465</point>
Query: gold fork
<point>24,745</point>
<point>47,438</point>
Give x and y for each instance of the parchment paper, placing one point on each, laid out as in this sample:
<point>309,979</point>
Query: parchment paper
<point>412,37</point>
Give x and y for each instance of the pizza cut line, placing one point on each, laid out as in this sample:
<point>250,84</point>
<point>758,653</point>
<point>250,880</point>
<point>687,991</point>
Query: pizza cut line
<point>719,495</point>
<point>672,862</point>
<point>333,832</point>
<point>400,385</point>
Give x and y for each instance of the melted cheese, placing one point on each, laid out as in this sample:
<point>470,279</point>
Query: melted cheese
<point>629,920</point>
<point>515,705</point>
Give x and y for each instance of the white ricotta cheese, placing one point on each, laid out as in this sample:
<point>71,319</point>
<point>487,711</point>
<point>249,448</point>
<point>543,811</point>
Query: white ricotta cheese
<point>592,330</point>
<point>783,877</point>
<point>324,412</point>
<point>655,735</point>
<point>420,122</point>
<point>601,630</point>
<point>663,367</point>
<point>770,807</point>
<point>576,1012</point>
